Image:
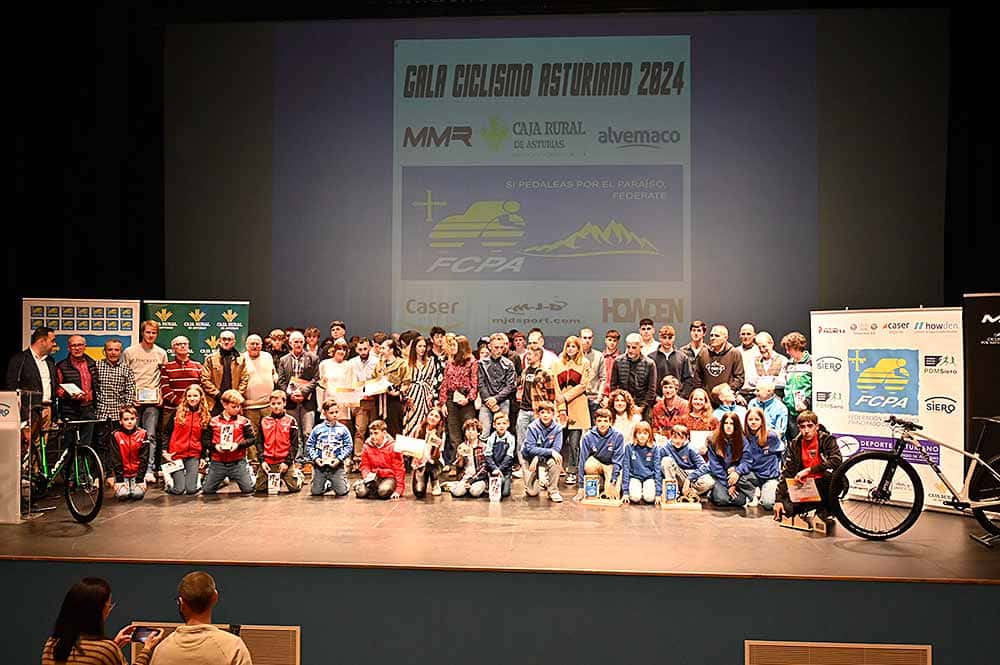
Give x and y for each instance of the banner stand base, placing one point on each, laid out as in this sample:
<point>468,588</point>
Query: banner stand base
<point>985,539</point>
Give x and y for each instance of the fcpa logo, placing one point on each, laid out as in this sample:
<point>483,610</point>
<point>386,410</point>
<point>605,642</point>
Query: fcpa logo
<point>884,380</point>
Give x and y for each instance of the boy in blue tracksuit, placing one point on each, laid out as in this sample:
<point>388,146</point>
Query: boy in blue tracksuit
<point>542,447</point>
<point>683,465</point>
<point>500,448</point>
<point>642,477</point>
<point>328,448</point>
<point>601,453</point>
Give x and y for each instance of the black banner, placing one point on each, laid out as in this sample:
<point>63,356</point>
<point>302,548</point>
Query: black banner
<point>981,323</point>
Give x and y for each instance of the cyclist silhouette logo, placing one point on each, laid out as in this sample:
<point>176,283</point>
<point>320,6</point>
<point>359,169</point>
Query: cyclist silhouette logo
<point>492,223</point>
<point>882,380</point>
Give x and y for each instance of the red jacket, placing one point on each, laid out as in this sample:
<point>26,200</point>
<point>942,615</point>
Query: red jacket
<point>184,440</point>
<point>129,452</point>
<point>384,461</point>
<point>279,440</point>
<point>239,428</point>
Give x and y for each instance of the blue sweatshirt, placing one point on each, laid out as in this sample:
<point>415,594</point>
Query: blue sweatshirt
<point>607,449</point>
<point>542,441</point>
<point>642,463</point>
<point>766,464</point>
<point>776,413</point>
<point>336,436</point>
<point>740,411</point>
<point>688,460</point>
<point>500,453</point>
<point>717,466</point>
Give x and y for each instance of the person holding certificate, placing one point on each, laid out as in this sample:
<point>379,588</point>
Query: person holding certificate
<point>699,419</point>
<point>459,389</point>
<point>427,469</point>
<point>811,458</point>
<point>393,369</point>
<point>335,372</point>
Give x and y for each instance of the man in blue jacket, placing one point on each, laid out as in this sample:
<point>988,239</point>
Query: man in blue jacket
<point>542,446</point>
<point>601,450</point>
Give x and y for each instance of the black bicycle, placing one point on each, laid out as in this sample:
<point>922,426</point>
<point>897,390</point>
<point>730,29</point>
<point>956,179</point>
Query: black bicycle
<point>79,466</point>
<point>881,495</point>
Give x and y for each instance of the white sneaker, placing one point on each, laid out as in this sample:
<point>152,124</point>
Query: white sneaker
<point>150,477</point>
<point>555,496</point>
<point>517,473</point>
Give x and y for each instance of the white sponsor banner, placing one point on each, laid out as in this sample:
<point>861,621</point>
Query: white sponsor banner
<point>872,364</point>
<point>95,320</point>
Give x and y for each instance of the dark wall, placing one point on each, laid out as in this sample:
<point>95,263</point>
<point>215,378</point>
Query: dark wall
<point>400,616</point>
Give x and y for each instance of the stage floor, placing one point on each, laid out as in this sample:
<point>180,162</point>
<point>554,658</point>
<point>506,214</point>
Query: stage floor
<point>519,534</point>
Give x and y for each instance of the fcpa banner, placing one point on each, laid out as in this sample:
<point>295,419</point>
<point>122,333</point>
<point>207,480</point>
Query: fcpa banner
<point>96,321</point>
<point>201,322</point>
<point>872,364</point>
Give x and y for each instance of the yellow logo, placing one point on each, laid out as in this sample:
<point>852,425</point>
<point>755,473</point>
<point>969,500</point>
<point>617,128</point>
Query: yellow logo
<point>163,314</point>
<point>494,223</point>
<point>212,342</point>
<point>197,315</point>
<point>229,315</point>
<point>888,372</point>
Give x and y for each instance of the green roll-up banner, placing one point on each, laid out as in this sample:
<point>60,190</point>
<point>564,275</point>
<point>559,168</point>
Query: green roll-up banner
<point>200,321</point>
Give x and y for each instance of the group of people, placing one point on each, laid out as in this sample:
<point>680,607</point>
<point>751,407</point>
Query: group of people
<point>653,421</point>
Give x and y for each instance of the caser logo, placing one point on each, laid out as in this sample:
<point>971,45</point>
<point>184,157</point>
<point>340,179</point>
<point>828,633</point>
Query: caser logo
<point>940,404</point>
<point>428,136</point>
<point>989,318</point>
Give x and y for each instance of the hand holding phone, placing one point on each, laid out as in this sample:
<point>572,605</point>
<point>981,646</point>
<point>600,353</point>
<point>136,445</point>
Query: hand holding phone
<point>143,633</point>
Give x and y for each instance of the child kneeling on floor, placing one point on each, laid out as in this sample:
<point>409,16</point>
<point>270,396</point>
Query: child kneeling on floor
<point>129,448</point>
<point>329,448</point>
<point>500,450</point>
<point>473,482</point>
<point>278,445</point>
<point>382,472</point>
<point>683,465</point>
<point>227,437</point>
<point>641,473</point>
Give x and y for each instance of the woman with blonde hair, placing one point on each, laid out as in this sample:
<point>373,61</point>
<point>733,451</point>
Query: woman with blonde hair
<point>572,372</point>
<point>624,414</point>
<point>699,419</point>
<point>181,440</point>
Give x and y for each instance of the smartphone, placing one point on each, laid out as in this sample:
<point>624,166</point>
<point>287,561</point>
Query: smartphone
<point>143,633</point>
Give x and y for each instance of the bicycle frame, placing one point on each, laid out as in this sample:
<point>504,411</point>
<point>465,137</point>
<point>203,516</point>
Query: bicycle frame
<point>57,468</point>
<point>961,498</point>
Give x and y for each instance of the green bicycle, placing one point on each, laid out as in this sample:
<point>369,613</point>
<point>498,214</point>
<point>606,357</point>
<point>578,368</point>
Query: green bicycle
<point>79,466</point>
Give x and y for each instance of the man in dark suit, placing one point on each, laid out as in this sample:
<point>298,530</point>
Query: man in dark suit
<point>33,372</point>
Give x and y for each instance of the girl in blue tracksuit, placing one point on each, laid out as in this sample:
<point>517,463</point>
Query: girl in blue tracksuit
<point>729,464</point>
<point>642,477</point>
<point>765,449</point>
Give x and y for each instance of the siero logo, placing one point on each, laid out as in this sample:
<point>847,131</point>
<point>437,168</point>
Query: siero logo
<point>830,363</point>
<point>630,310</point>
<point>884,380</point>
<point>990,318</point>
<point>428,136</point>
<point>940,404</point>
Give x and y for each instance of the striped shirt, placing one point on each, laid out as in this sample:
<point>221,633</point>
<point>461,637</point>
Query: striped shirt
<point>117,388</point>
<point>91,652</point>
<point>175,378</point>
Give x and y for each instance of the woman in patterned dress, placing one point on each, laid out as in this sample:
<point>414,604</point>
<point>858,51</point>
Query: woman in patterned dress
<point>421,394</point>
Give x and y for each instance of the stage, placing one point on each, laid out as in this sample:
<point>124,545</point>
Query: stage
<point>517,535</point>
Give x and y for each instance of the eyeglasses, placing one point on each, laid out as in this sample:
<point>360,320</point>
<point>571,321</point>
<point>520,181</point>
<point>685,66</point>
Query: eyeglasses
<point>663,336</point>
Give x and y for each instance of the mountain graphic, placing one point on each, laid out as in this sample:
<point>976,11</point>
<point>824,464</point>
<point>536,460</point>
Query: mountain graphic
<point>591,240</point>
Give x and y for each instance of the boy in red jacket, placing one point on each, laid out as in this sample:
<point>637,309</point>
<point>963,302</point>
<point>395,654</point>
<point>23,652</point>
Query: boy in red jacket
<point>382,472</point>
<point>227,438</point>
<point>129,448</point>
<point>278,444</point>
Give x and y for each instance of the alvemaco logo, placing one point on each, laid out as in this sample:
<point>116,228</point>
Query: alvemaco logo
<point>638,138</point>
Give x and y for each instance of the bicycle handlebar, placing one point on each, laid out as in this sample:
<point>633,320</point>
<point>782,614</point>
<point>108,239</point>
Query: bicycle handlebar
<point>905,424</point>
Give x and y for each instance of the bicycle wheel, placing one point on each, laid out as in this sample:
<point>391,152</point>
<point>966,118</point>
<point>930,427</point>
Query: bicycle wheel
<point>985,487</point>
<point>864,508</point>
<point>84,476</point>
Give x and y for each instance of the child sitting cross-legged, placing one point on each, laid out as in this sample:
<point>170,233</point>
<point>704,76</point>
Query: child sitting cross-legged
<point>473,482</point>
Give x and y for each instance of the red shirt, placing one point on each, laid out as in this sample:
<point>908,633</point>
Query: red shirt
<point>666,415</point>
<point>810,456</point>
<point>384,461</point>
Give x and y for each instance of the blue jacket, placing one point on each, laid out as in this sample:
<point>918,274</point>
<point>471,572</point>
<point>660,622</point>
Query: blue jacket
<point>325,434</point>
<point>607,449</point>
<point>766,464</point>
<point>740,411</point>
<point>500,453</point>
<point>687,459</point>
<point>542,441</point>
<point>717,466</point>
<point>642,463</point>
<point>776,413</point>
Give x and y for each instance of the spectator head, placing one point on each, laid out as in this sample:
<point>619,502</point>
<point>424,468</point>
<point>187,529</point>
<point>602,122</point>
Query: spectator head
<point>718,337</point>
<point>501,418</point>
<point>339,350</point>
<point>536,338</point>
<point>472,424</point>
<point>149,330</point>
<point>363,347</point>
<point>698,329</point>
<point>227,340</point>
<point>765,343</point>
<point>611,339</point>
<point>113,350</point>
<point>298,342</point>
<point>747,333</point>
<point>127,416</point>
<point>43,339</point>
<point>232,400</point>
<point>196,595</point>
<point>378,337</point>
<point>77,345</point>
<point>667,335</point>
<point>646,329</point>
<point>807,416</point>
<point>338,330</point>
<point>519,340</point>
<point>437,336</point>
<point>794,344</point>
<point>587,339</point>
<point>670,385</point>
<point>84,610</point>
<point>463,350</point>
<point>254,344</point>
<point>602,419</point>
<point>765,388</point>
<point>330,409</point>
<point>277,401</point>
<point>312,335</point>
<point>724,393</point>
<point>278,338</point>
<point>633,345</point>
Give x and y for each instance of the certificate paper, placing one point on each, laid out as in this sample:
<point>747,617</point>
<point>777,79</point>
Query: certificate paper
<point>805,492</point>
<point>147,395</point>
<point>377,386</point>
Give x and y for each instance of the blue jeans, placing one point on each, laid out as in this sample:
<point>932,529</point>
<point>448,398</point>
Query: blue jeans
<point>524,419</point>
<point>185,481</point>
<point>149,418</point>
<point>486,417</point>
<point>768,489</point>
<point>337,480</point>
<point>238,471</point>
<point>744,492</point>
